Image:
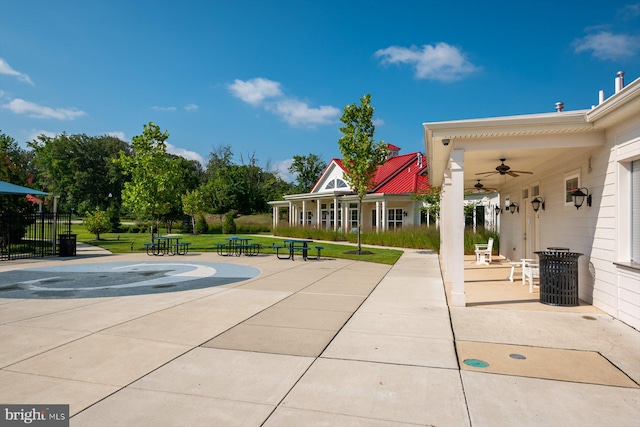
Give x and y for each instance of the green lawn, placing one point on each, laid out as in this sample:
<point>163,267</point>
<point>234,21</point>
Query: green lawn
<point>119,243</point>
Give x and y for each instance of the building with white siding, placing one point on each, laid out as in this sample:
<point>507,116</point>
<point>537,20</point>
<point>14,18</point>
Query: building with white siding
<point>549,155</point>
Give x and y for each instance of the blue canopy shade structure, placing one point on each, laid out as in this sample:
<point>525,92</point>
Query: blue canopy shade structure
<point>8,188</point>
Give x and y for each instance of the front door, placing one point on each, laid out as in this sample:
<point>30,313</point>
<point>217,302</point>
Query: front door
<point>530,227</point>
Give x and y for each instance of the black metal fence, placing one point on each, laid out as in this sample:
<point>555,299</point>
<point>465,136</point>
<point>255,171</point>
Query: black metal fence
<point>32,235</point>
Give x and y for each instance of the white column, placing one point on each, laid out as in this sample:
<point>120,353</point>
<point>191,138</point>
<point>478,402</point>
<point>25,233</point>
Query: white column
<point>378,219</point>
<point>383,215</point>
<point>456,226</point>
<point>445,241</point>
<point>304,213</point>
<point>274,212</point>
<point>345,217</point>
<point>335,213</point>
<point>318,214</point>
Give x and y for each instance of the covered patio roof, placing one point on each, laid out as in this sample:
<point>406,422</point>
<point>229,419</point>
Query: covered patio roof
<point>522,140</point>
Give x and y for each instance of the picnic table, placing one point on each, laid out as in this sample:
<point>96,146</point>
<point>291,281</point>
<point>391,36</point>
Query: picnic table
<point>291,246</point>
<point>167,245</point>
<point>237,246</point>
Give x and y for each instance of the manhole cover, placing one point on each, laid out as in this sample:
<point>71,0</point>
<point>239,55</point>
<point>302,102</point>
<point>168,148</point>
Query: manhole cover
<point>476,363</point>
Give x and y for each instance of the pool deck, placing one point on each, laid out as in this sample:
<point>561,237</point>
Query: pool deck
<point>320,343</point>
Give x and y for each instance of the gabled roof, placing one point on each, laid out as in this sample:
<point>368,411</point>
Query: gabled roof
<point>400,174</point>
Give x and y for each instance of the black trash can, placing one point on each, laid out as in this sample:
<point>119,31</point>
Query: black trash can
<point>67,244</point>
<point>559,278</point>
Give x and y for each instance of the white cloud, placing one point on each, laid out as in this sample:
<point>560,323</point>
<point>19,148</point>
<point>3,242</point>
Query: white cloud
<point>6,69</point>
<point>378,122</point>
<point>117,134</point>
<point>20,106</point>
<point>155,107</point>
<point>298,113</point>
<point>191,107</point>
<point>281,169</point>
<point>606,45</point>
<point>439,62</point>
<point>255,91</point>
<point>34,134</point>
<point>189,155</point>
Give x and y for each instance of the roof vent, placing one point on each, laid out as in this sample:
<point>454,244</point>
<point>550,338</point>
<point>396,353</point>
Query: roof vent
<point>619,81</point>
<point>559,106</point>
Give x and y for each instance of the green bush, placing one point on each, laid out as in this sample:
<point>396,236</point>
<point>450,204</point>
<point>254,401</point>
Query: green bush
<point>229,226</point>
<point>201,225</point>
<point>98,222</point>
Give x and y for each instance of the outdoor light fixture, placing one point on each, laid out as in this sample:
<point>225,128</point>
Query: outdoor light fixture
<point>446,141</point>
<point>579,197</point>
<point>537,202</point>
<point>498,210</point>
<point>405,213</point>
<point>513,207</point>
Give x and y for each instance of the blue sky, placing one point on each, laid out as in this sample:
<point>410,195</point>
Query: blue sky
<point>271,78</point>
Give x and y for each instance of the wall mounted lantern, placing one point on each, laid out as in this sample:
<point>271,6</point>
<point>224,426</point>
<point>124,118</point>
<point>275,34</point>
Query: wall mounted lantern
<point>405,213</point>
<point>537,203</point>
<point>498,210</point>
<point>579,196</point>
<point>514,207</point>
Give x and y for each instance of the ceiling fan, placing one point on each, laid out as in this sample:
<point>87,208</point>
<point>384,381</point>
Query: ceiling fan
<point>503,169</point>
<point>480,188</point>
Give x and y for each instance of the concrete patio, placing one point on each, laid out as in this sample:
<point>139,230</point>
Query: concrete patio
<point>319,343</point>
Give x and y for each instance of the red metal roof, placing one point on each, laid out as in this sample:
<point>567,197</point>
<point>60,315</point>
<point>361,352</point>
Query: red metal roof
<point>400,174</point>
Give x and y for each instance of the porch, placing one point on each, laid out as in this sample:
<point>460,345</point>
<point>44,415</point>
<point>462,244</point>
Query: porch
<point>487,286</point>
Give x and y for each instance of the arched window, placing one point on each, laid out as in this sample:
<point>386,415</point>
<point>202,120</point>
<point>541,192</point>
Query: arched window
<point>341,183</point>
<point>331,184</point>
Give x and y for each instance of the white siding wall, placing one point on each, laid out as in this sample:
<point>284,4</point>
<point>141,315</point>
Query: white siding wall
<point>593,231</point>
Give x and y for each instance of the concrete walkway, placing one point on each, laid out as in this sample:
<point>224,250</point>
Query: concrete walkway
<point>316,343</point>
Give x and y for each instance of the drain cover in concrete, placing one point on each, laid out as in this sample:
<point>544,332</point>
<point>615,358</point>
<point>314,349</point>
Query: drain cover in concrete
<point>118,279</point>
<point>537,362</point>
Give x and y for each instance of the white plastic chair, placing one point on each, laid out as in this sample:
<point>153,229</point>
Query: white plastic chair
<point>483,252</point>
<point>530,271</point>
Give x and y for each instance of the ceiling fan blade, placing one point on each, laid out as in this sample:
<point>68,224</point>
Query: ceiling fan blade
<point>512,173</point>
<point>486,173</point>
<point>523,172</point>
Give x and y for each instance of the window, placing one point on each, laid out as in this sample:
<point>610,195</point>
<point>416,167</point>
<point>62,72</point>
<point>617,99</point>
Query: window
<point>353,215</point>
<point>535,190</point>
<point>331,184</point>
<point>395,219</point>
<point>571,182</point>
<point>341,183</point>
<point>635,211</point>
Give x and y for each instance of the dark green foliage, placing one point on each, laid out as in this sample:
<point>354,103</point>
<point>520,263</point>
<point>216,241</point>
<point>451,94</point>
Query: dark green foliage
<point>307,170</point>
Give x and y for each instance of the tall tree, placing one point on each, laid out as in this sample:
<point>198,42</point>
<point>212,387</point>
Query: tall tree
<point>79,169</point>
<point>154,176</point>
<point>193,205</point>
<point>361,155</point>
<point>307,170</point>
